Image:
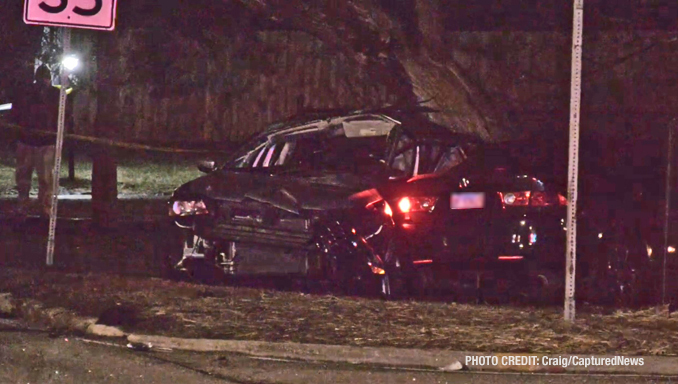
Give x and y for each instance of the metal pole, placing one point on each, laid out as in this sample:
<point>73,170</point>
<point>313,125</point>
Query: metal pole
<point>669,159</point>
<point>66,35</point>
<point>573,168</point>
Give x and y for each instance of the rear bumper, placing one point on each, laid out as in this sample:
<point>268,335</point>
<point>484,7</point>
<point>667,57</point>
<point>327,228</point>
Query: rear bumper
<point>501,250</point>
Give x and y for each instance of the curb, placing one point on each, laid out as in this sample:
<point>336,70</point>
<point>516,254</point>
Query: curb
<point>406,358</point>
<point>439,360</point>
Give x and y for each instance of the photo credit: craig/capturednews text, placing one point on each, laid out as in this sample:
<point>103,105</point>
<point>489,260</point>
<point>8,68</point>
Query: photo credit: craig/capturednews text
<point>553,361</point>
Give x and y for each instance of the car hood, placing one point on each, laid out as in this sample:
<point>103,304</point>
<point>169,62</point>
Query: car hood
<point>291,193</point>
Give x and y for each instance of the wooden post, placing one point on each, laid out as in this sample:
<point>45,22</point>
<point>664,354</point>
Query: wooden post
<point>71,164</point>
<point>667,208</point>
<point>104,188</point>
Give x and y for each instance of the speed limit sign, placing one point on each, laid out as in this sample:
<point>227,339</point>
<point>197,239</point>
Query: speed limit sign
<point>89,14</point>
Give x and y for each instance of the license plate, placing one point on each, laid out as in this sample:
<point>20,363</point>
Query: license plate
<point>467,200</point>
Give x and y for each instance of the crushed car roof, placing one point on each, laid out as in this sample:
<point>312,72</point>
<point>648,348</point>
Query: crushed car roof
<point>412,119</point>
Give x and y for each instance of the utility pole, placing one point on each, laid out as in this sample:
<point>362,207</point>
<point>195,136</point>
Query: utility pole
<point>573,166</point>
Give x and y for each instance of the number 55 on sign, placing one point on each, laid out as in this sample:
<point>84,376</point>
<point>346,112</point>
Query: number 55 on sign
<point>90,14</point>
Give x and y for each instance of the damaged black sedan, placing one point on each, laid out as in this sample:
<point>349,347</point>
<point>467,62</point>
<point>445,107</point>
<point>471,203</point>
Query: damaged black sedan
<point>295,201</point>
<point>480,219</point>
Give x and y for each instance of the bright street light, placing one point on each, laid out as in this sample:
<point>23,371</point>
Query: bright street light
<point>70,62</point>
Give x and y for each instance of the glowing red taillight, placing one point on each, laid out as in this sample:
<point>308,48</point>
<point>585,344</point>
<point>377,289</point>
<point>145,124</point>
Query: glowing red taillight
<point>417,204</point>
<point>510,258</point>
<point>405,204</point>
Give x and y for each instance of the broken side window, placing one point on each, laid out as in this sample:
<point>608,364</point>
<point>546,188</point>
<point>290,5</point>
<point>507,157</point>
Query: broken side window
<point>404,161</point>
<point>452,157</point>
<point>248,159</point>
<point>286,152</point>
<point>403,155</point>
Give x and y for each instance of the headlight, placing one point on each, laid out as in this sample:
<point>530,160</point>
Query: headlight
<point>188,208</point>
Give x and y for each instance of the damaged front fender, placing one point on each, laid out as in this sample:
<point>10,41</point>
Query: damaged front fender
<point>356,246</point>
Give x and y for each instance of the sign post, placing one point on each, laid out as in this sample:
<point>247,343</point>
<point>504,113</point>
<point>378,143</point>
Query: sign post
<point>70,14</point>
<point>77,14</point>
<point>66,43</point>
<point>667,207</point>
<point>573,167</point>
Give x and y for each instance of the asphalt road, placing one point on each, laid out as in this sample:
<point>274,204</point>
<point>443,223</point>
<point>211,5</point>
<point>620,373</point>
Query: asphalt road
<point>37,358</point>
<point>40,358</point>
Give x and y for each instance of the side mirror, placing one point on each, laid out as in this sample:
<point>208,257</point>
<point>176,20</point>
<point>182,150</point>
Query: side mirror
<point>207,166</point>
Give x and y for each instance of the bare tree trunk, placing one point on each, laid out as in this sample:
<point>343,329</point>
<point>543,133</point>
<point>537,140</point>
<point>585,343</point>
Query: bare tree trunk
<point>443,90</point>
<point>409,33</point>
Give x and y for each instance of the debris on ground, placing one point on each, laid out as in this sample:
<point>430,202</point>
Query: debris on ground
<point>182,309</point>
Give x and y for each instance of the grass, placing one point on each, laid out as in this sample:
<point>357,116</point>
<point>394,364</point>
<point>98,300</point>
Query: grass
<point>137,174</point>
<point>190,310</point>
<point>155,177</point>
